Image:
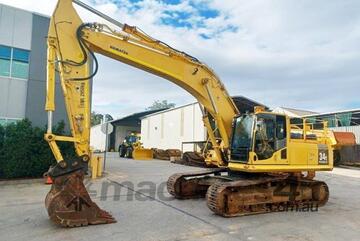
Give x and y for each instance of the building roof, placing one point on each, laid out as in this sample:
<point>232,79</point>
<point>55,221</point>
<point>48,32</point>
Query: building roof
<point>294,112</point>
<point>334,112</point>
<point>134,119</point>
<point>169,109</point>
<point>243,104</point>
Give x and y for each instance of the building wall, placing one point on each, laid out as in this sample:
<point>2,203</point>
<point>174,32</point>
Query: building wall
<point>15,29</point>
<point>36,91</point>
<point>97,137</point>
<point>24,97</point>
<point>168,129</point>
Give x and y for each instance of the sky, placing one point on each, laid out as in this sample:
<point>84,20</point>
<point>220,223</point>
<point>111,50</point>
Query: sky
<point>300,54</point>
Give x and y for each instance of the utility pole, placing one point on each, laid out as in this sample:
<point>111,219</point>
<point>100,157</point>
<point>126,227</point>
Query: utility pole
<point>107,129</point>
<point>106,141</point>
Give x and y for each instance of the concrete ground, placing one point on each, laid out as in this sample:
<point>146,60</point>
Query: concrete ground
<point>135,193</point>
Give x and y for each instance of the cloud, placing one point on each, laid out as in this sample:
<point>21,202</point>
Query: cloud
<point>302,54</point>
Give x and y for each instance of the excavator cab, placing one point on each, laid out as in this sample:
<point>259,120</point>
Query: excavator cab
<point>242,139</point>
<point>263,134</point>
<point>131,138</point>
<point>270,135</point>
<point>266,140</point>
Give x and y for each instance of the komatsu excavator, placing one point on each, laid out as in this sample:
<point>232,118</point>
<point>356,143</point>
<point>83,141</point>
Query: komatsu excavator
<point>265,163</point>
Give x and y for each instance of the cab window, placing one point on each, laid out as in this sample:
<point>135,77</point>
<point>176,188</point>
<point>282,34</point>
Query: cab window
<point>270,135</point>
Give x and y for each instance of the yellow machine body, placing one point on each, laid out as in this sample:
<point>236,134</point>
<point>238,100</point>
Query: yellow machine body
<point>305,149</point>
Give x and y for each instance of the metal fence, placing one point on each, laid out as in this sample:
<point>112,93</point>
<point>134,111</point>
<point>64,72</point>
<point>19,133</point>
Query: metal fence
<point>350,154</point>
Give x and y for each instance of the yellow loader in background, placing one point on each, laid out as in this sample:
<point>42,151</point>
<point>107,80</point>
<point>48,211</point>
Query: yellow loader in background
<point>132,148</point>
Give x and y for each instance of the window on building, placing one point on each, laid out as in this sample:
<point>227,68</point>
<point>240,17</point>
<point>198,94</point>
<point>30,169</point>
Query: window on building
<point>344,119</point>
<point>355,118</point>
<point>20,64</point>
<point>5,60</point>
<point>8,121</point>
<point>331,120</point>
<point>2,121</point>
<point>14,62</point>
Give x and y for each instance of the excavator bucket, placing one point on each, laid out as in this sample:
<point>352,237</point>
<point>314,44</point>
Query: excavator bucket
<point>69,204</point>
<point>142,154</point>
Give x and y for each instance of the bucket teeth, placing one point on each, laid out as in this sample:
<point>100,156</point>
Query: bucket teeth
<point>69,204</point>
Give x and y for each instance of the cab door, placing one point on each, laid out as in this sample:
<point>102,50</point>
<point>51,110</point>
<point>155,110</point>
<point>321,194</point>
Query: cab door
<point>270,142</point>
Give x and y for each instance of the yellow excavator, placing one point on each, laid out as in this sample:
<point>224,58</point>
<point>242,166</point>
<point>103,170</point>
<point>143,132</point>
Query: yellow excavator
<point>265,162</point>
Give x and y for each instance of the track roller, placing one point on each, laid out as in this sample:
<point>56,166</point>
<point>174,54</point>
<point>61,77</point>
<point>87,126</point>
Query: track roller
<point>265,194</point>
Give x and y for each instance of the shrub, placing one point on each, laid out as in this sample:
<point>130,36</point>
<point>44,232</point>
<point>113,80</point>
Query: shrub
<point>25,153</point>
<point>2,135</point>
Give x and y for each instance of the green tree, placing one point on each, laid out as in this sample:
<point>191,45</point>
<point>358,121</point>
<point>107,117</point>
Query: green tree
<point>2,137</point>
<point>97,118</point>
<point>160,105</point>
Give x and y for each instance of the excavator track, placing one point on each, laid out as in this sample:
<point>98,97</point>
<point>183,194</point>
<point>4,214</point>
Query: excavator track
<point>266,194</point>
<point>190,158</point>
<point>193,184</point>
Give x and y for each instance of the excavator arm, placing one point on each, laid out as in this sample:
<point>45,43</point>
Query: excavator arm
<point>71,48</point>
<point>71,43</point>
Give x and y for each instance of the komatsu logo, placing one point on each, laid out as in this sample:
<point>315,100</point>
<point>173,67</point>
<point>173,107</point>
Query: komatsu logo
<point>119,50</point>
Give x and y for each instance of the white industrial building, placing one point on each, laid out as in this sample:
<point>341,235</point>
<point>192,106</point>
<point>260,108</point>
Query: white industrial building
<point>169,129</point>
<point>121,128</point>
